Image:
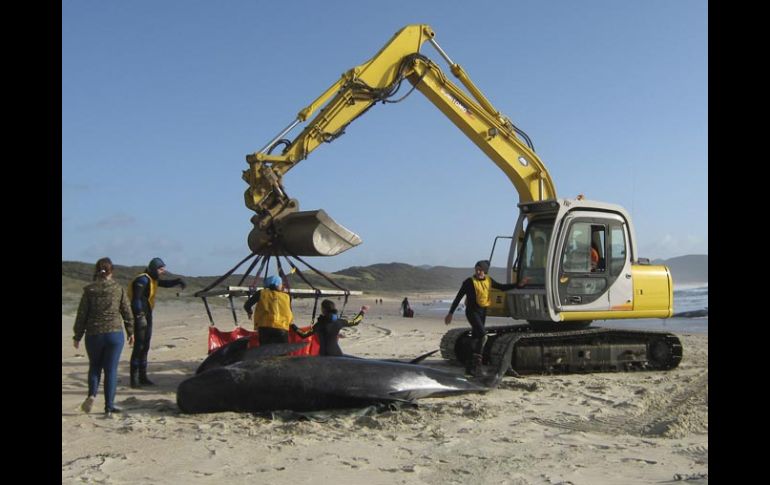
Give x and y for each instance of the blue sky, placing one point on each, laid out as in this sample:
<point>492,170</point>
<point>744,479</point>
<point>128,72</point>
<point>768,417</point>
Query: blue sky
<point>162,101</point>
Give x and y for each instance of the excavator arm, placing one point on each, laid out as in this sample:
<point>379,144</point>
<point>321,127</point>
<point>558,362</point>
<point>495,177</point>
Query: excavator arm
<point>278,224</point>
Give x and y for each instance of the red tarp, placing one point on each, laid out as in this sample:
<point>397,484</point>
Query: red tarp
<point>219,338</point>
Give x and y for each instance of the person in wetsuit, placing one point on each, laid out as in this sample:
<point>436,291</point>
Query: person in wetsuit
<point>405,307</point>
<point>273,313</point>
<point>141,292</point>
<point>476,290</point>
<point>328,327</point>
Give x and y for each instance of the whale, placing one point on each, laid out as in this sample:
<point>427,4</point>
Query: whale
<point>239,350</point>
<point>263,382</point>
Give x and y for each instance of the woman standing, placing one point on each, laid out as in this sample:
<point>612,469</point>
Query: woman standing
<point>101,307</point>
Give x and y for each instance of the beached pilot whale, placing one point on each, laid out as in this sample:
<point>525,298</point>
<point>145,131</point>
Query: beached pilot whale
<point>238,350</point>
<point>307,383</point>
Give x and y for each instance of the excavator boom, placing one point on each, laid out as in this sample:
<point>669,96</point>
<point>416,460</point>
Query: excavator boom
<point>279,227</point>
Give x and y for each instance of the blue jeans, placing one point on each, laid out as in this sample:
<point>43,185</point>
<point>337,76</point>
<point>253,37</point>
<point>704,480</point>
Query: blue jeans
<point>104,354</point>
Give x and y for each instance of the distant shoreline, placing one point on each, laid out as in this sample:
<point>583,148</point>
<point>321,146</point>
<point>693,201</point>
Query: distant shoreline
<point>690,286</point>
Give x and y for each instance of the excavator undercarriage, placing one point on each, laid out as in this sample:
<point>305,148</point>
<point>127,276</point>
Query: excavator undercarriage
<point>593,349</point>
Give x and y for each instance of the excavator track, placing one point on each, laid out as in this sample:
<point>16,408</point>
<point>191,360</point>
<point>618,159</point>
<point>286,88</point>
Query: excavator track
<point>593,349</point>
<point>455,344</point>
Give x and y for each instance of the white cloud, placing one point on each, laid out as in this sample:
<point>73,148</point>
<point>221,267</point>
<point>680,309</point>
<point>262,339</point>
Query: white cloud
<point>111,222</point>
<point>670,246</point>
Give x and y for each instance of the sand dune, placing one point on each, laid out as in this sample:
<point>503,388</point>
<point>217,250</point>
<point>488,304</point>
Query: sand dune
<point>643,427</point>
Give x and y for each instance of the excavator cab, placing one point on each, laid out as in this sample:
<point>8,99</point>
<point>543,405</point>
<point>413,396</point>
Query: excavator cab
<point>573,261</point>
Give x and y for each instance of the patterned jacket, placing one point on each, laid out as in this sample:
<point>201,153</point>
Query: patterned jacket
<point>101,307</point>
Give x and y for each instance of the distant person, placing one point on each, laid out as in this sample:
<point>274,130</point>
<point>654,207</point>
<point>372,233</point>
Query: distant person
<point>142,292</point>
<point>103,307</point>
<point>406,309</point>
<point>328,327</point>
<point>539,253</point>
<point>597,263</point>
<point>476,290</point>
<point>273,314</point>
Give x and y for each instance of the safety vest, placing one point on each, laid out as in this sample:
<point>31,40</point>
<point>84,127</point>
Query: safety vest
<point>482,291</point>
<point>273,310</point>
<point>153,288</point>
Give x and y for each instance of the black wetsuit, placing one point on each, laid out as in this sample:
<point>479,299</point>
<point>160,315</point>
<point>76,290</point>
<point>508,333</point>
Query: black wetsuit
<point>327,328</point>
<point>140,305</point>
<point>476,315</point>
<point>404,307</point>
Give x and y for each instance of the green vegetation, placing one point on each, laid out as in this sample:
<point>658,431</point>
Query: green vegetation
<point>392,277</point>
<point>378,278</point>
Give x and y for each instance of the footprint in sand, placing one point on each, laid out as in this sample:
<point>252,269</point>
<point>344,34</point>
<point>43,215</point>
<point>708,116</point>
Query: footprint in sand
<point>89,468</point>
<point>699,453</point>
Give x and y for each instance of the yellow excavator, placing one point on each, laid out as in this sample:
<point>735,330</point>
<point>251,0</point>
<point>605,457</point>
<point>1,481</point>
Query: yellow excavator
<point>573,260</point>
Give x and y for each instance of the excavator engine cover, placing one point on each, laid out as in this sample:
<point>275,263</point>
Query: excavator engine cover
<point>305,233</point>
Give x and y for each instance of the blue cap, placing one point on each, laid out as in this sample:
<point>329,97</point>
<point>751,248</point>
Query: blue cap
<point>272,281</point>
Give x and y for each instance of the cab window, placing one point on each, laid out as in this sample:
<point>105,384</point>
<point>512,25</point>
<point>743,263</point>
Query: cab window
<point>534,255</point>
<point>583,263</point>
<point>617,249</point>
<point>585,249</point>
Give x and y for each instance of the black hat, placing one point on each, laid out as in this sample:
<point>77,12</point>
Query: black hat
<point>155,264</point>
<point>483,264</point>
<point>329,306</point>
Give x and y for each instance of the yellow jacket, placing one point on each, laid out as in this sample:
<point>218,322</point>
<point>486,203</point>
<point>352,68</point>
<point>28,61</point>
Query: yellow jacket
<point>273,310</point>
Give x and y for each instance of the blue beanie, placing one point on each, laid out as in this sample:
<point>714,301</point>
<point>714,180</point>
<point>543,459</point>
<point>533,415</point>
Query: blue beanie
<point>272,281</point>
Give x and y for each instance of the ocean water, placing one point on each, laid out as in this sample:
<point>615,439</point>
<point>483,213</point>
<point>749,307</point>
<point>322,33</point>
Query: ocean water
<point>686,298</point>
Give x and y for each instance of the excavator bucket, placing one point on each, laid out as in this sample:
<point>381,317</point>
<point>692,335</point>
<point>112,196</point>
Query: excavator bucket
<point>305,233</point>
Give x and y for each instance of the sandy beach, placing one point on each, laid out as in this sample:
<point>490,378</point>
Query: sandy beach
<point>609,428</point>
